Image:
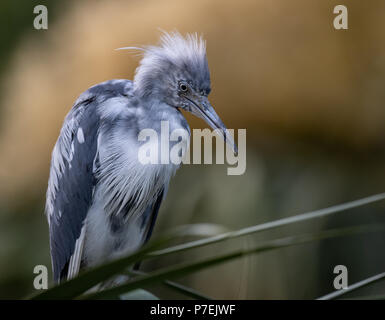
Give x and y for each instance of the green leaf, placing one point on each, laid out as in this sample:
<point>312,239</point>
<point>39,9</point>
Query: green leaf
<point>179,288</point>
<point>355,286</point>
<point>84,281</point>
<point>271,225</point>
<point>90,278</point>
<point>186,268</point>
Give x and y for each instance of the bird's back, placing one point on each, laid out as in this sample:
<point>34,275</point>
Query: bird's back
<point>72,174</point>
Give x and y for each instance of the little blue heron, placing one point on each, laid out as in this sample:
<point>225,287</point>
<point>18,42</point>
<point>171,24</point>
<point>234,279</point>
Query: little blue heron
<point>102,202</point>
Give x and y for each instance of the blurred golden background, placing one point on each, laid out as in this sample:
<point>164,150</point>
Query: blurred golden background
<point>311,98</point>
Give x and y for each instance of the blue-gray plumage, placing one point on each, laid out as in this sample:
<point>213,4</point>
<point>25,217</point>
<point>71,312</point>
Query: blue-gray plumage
<point>101,201</point>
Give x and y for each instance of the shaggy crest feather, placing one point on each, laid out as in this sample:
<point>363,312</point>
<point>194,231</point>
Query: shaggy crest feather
<point>186,55</point>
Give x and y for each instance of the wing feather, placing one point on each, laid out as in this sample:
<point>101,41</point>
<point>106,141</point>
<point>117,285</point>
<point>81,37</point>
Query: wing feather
<point>71,182</point>
<point>72,179</point>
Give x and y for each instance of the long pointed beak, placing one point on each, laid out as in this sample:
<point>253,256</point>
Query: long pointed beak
<point>202,108</point>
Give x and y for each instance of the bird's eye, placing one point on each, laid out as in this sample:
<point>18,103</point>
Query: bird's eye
<point>183,87</point>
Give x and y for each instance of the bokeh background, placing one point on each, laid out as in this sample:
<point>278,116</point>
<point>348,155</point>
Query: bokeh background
<point>311,98</point>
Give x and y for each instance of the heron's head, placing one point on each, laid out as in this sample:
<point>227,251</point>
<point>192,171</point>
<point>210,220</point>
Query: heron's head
<point>177,73</point>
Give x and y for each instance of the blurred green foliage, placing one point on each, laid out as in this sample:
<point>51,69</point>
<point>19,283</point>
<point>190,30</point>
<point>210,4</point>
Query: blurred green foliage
<point>16,19</point>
